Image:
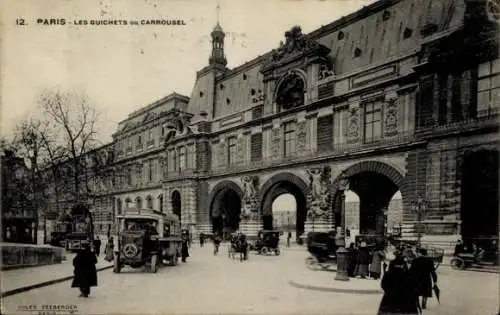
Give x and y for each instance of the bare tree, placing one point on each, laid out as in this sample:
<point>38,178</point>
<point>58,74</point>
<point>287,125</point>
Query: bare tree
<point>75,119</point>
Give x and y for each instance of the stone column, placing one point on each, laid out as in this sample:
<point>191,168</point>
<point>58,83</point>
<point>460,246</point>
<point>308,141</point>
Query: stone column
<point>342,252</point>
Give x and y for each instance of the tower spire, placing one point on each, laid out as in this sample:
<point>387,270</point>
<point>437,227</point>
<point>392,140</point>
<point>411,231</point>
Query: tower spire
<point>217,57</point>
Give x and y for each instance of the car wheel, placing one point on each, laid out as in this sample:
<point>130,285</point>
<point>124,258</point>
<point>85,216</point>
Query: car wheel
<point>457,264</point>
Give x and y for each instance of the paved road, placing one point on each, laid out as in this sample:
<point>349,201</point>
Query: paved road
<point>209,284</point>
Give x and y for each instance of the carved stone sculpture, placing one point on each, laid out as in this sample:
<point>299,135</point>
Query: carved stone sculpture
<point>354,124</point>
<point>391,117</point>
<point>319,198</point>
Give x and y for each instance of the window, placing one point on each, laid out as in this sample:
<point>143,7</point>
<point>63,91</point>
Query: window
<point>289,138</point>
<point>150,171</point>
<point>119,206</point>
<point>138,202</point>
<point>182,158</point>
<point>163,131</point>
<point>373,121</point>
<point>231,150</point>
<point>149,202</point>
<point>127,202</point>
<point>172,161</point>
<point>139,140</point>
<point>256,147</point>
<point>160,198</point>
<point>129,176</point>
<point>488,87</point>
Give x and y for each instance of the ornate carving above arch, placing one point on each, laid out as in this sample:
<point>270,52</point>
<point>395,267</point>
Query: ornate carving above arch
<point>372,166</point>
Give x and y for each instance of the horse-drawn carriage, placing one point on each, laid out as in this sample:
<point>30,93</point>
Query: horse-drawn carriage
<point>238,245</point>
<point>321,246</point>
<point>267,242</point>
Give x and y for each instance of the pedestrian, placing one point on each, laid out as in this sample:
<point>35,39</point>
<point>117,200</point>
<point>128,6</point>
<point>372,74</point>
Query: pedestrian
<point>399,294</point>
<point>202,239</point>
<point>217,241</point>
<point>423,275</point>
<point>375,267</point>
<point>288,238</point>
<point>185,247</point>
<point>353,253</point>
<point>363,260</point>
<point>97,246</point>
<point>108,252</point>
<point>85,273</point>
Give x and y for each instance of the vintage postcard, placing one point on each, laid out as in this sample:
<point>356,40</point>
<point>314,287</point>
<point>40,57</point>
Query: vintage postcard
<point>249,157</point>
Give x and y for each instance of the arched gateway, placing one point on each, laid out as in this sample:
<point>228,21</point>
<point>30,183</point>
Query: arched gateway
<point>279,184</point>
<point>375,183</point>
<point>225,207</point>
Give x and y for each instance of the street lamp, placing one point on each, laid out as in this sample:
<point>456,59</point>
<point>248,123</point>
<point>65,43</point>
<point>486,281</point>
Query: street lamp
<point>419,206</point>
<point>32,154</point>
<point>342,252</point>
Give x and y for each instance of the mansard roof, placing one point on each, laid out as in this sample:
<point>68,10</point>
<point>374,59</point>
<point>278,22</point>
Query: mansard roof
<point>378,32</point>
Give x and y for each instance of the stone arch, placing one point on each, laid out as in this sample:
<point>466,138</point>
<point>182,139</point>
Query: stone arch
<point>128,200</point>
<point>277,185</point>
<point>138,202</point>
<point>149,202</point>
<point>365,177</point>
<point>224,210</point>
<point>371,166</point>
<point>279,85</point>
<point>218,188</point>
<point>281,177</point>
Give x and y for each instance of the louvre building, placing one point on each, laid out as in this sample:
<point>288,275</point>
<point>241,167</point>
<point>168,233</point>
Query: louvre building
<point>400,96</point>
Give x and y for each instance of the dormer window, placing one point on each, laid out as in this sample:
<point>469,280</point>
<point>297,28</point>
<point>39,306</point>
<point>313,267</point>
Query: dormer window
<point>201,93</point>
<point>386,15</point>
<point>221,87</point>
<point>407,33</point>
<point>340,35</point>
<point>244,76</point>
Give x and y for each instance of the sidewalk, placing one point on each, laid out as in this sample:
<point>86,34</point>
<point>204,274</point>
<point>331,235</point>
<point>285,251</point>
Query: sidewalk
<point>325,281</point>
<point>19,280</point>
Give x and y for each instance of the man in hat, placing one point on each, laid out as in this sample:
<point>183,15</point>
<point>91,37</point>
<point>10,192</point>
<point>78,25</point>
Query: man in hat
<point>423,275</point>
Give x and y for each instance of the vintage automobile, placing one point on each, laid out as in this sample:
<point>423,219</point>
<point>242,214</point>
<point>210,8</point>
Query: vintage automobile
<point>147,238</point>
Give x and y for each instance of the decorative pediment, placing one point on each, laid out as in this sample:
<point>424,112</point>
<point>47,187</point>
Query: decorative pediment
<point>177,126</point>
<point>296,44</point>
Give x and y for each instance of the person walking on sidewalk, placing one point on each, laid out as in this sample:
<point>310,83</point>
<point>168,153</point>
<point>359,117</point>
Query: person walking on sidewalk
<point>423,275</point>
<point>85,273</point>
<point>376,265</point>
<point>97,246</point>
<point>108,252</point>
<point>400,296</point>
<point>288,238</point>
<point>363,260</point>
<point>185,247</point>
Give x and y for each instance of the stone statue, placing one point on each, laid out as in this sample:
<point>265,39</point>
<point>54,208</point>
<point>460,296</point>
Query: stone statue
<point>249,190</point>
<point>315,182</point>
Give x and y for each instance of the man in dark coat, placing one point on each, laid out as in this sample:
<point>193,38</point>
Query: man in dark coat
<point>85,273</point>
<point>353,253</point>
<point>363,260</point>
<point>202,239</point>
<point>399,294</point>
<point>185,247</point>
<point>423,275</point>
<point>97,246</point>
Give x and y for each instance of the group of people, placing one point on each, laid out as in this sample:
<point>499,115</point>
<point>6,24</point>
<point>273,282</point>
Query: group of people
<point>409,276</point>
<point>364,262</point>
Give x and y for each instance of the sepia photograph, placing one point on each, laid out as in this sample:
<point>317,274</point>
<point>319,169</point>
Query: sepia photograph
<point>250,157</point>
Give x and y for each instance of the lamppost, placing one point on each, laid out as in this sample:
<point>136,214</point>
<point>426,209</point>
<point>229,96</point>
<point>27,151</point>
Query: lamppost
<point>342,252</point>
<point>33,156</point>
<point>419,207</point>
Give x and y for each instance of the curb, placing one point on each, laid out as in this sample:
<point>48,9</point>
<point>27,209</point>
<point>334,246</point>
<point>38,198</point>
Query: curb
<point>334,290</point>
<point>42,284</point>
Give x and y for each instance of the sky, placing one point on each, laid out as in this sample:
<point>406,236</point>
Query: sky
<point>124,67</point>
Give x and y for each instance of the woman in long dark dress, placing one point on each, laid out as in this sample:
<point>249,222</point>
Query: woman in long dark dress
<point>363,260</point>
<point>400,296</point>
<point>85,273</point>
<point>185,247</point>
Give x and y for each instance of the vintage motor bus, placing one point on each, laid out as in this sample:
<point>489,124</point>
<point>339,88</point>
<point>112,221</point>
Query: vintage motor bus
<point>147,238</point>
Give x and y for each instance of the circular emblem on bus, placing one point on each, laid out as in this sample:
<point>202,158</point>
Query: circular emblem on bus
<point>130,250</point>
<point>493,10</point>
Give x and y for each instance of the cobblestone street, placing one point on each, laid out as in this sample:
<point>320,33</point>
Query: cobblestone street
<point>217,284</point>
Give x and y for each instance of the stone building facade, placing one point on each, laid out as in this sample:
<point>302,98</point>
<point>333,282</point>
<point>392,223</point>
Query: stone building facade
<point>401,95</point>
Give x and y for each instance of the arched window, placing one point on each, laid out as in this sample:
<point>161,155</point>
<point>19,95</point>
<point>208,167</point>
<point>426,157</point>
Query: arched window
<point>138,202</point>
<point>290,92</point>
<point>160,198</point>
<point>149,202</point>
<point>127,202</point>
